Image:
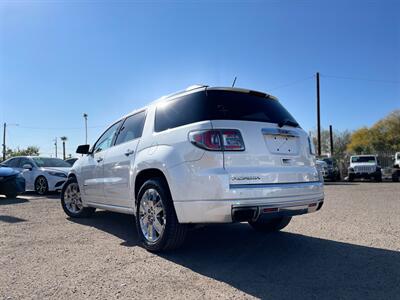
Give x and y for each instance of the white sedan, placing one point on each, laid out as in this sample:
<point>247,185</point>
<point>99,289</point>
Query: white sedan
<point>42,174</point>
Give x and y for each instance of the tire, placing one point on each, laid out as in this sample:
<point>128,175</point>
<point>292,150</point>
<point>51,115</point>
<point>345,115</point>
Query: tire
<point>395,177</point>
<point>155,209</point>
<point>71,200</point>
<point>378,178</point>
<point>351,178</point>
<point>41,185</point>
<point>11,196</point>
<point>271,225</point>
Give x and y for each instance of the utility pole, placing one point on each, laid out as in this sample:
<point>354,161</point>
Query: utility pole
<point>4,138</point>
<point>85,115</point>
<point>63,139</point>
<point>55,145</point>
<point>331,139</point>
<point>4,141</point>
<point>318,118</point>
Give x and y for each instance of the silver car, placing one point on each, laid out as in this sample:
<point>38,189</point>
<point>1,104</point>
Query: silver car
<point>42,174</point>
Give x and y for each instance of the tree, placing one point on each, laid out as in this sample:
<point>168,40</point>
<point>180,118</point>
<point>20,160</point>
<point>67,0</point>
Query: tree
<point>29,151</point>
<point>383,136</point>
<point>340,141</point>
<point>64,139</point>
<point>360,141</point>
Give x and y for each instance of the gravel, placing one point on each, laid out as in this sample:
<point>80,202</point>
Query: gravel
<point>349,250</point>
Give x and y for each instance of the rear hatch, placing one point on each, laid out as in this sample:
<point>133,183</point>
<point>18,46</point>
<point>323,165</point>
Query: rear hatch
<point>276,150</point>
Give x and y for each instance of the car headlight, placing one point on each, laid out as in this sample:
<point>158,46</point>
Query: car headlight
<point>58,174</point>
<point>351,169</point>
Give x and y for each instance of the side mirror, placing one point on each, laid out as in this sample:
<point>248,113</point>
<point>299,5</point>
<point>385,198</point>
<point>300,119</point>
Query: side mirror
<point>27,166</point>
<point>83,149</point>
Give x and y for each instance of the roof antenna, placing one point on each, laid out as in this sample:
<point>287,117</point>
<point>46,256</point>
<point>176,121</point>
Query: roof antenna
<point>234,81</point>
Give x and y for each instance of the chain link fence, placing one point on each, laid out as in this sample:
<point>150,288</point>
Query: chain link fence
<point>385,159</point>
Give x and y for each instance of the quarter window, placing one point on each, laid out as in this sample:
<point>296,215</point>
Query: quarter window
<point>132,128</point>
<point>105,141</point>
<point>184,110</point>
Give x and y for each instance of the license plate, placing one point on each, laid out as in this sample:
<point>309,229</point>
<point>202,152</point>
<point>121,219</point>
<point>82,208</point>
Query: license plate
<point>282,144</point>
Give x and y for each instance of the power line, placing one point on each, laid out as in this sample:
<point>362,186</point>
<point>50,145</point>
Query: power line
<point>60,128</point>
<point>359,78</point>
<point>291,83</point>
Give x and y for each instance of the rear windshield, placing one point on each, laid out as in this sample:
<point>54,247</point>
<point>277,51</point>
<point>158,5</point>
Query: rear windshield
<point>363,159</point>
<point>221,105</point>
<point>45,162</point>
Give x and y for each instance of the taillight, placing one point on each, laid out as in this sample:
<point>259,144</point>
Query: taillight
<point>218,139</point>
<point>232,140</point>
<point>208,139</point>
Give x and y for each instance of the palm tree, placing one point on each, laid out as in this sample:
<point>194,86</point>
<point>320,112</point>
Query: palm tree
<point>64,139</point>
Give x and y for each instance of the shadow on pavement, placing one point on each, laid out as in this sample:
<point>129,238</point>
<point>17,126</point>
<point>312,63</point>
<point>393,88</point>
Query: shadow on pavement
<point>340,183</point>
<point>275,266</point>
<point>49,195</point>
<point>121,225</point>
<point>9,201</point>
<point>10,219</point>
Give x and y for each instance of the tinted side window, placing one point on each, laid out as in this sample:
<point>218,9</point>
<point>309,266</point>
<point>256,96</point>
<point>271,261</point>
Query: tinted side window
<point>24,161</point>
<point>105,141</point>
<point>12,163</point>
<point>132,128</point>
<point>185,110</point>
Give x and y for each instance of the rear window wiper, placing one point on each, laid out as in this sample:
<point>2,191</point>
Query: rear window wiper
<point>288,122</point>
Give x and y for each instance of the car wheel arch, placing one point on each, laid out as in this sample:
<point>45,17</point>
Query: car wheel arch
<point>147,174</point>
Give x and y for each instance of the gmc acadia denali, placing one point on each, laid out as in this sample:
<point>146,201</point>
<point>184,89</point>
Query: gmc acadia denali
<point>203,155</point>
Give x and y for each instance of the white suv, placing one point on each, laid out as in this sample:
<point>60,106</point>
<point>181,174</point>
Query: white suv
<point>364,166</point>
<point>204,155</point>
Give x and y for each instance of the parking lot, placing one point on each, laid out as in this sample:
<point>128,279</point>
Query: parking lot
<point>350,249</point>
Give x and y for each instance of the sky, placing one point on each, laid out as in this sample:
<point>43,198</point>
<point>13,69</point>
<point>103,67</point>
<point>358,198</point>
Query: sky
<point>60,59</point>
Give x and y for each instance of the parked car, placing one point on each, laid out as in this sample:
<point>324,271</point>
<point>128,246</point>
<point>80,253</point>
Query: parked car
<point>204,155</point>
<point>71,161</point>
<point>12,182</point>
<point>322,168</point>
<point>332,171</point>
<point>394,172</point>
<point>396,162</point>
<point>364,166</point>
<point>42,174</point>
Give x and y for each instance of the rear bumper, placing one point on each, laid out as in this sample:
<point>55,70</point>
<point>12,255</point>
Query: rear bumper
<point>285,199</point>
<point>273,210</point>
<point>365,174</point>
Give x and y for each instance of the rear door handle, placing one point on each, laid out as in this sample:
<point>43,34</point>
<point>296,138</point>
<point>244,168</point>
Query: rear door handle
<point>129,152</point>
<point>100,159</point>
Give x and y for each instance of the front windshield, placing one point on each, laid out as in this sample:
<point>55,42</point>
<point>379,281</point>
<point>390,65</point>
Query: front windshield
<point>45,162</point>
<point>363,159</point>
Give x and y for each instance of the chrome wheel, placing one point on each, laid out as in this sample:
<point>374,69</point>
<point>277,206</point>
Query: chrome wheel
<point>152,215</point>
<point>41,185</point>
<point>72,198</point>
